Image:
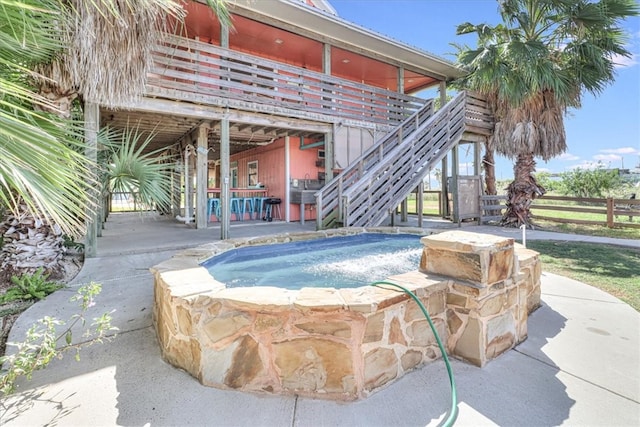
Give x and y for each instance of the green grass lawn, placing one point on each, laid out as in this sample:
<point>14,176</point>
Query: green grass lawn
<point>589,230</point>
<point>613,269</point>
<point>429,206</point>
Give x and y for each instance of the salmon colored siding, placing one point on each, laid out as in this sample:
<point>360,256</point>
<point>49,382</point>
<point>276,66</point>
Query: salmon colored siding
<point>271,170</point>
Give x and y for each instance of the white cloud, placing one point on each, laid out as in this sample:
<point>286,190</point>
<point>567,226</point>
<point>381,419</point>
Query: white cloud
<point>620,61</point>
<point>607,157</point>
<point>623,150</point>
<point>568,157</point>
<point>543,170</point>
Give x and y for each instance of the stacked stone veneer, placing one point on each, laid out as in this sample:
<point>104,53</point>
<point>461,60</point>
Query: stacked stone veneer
<point>344,343</point>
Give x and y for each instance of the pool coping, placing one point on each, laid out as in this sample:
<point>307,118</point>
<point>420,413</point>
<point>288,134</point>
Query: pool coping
<point>189,279</point>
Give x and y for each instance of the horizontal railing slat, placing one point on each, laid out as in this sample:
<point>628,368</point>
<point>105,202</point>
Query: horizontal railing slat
<point>180,62</point>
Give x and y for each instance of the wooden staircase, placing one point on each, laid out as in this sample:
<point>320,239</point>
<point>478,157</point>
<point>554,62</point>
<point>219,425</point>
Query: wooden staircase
<point>364,193</point>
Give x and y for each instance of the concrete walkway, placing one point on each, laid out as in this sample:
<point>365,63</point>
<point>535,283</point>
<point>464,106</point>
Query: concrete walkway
<point>579,366</point>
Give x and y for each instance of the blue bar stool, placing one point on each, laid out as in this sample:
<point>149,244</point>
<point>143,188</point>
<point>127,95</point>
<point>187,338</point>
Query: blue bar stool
<point>213,208</point>
<point>247,206</point>
<point>237,207</point>
<point>259,206</point>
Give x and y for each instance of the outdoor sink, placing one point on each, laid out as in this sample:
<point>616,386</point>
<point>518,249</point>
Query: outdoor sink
<point>300,196</point>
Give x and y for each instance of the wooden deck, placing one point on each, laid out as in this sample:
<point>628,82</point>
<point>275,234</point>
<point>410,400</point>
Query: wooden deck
<point>190,70</point>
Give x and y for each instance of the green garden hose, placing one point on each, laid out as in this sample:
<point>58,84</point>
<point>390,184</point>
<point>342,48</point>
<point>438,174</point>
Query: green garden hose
<point>453,411</point>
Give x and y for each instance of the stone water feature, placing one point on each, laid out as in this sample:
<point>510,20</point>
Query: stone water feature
<point>344,344</point>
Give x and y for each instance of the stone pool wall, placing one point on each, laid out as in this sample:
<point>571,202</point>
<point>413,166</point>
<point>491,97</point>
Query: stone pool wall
<point>344,343</point>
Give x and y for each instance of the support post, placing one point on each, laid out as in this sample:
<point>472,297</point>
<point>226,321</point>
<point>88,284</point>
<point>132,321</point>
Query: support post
<point>420,202</point>
<point>287,178</point>
<point>610,208</point>
<point>175,189</point>
<point>326,58</point>
<point>225,196</point>
<point>202,154</point>
<point>328,154</point>
<point>455,166</point>
<point>91,125</point>
<point>224,36</point>
<point>477,160</point>
<point>442,89</point>
<point>444,200</point>
<point>188,184</point>
<point>404,208</point>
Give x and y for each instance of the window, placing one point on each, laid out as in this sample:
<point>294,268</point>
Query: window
<point>234,177</point>
<point>252,173</point>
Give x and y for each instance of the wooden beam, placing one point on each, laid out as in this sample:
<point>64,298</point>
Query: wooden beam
<point>443,93</point>
<point>225,194</point>
<point>91,124</point>
<point>175,190</point>
<point>329,139</point>
<point>202,152</point>
<point>444,186</point>
<point>287,178</point>
<point>455,172</point>
<point>326,58</point>
<point>162,106</point>
<point>420,202</point>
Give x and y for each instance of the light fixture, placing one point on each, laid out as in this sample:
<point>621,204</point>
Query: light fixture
<point>279,41</point>
<point>345,61</point>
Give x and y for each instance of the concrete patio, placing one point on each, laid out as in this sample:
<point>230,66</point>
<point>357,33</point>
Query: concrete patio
<point>579,366</point>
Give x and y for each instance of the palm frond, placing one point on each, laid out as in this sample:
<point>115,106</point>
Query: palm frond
<point>39,166</point>
<point>540,62</point>
<point>131,168</point>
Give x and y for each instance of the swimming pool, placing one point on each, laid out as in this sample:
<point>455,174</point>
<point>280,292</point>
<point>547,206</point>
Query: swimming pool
<point>344,343</point>
<point>337,262</point>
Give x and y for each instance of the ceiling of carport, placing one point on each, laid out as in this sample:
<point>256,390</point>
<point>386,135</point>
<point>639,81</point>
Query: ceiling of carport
<point>167,131</point>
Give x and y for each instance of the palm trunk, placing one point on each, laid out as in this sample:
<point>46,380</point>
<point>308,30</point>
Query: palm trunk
<point>489,165</point>
<point>521,192</point>
<point>30,243</point>
<point>30,240</point>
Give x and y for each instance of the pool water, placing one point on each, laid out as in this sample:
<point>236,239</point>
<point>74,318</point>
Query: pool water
<point>336,262</point>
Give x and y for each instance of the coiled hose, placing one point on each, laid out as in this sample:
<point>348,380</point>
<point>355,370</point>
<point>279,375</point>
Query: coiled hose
<point>453,411</point>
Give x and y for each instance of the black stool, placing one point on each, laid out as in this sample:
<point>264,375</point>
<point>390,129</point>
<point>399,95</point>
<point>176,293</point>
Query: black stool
<point>272,203</point>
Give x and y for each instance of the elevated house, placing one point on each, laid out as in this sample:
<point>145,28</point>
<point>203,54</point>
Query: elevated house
<point>303,106</point>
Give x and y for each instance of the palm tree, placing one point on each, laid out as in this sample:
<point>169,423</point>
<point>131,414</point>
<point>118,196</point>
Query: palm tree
<point>52,52</point>
<point>535,66</point>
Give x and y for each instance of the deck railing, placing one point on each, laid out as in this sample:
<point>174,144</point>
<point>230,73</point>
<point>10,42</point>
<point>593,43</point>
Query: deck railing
<point>195,71</point>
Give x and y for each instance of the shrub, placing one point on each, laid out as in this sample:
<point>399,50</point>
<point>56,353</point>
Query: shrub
<point>30,286</point>
<point>590,182</point>
<point>41,342</point>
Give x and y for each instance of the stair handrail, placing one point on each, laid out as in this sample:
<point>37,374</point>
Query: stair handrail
<point>329,197</point>
<point>412,147</point>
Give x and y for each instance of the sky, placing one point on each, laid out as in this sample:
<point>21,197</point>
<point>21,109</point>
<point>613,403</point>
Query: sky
<point>605,129</point>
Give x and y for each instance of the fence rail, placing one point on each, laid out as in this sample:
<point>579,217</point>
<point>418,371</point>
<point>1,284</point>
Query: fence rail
<point>610,209</point>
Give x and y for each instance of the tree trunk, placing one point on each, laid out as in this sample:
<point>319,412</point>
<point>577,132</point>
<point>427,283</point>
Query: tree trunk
<point>30,243</point>
<point>489,165</point>
<point>521,193</point>
<point>29,239</point>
